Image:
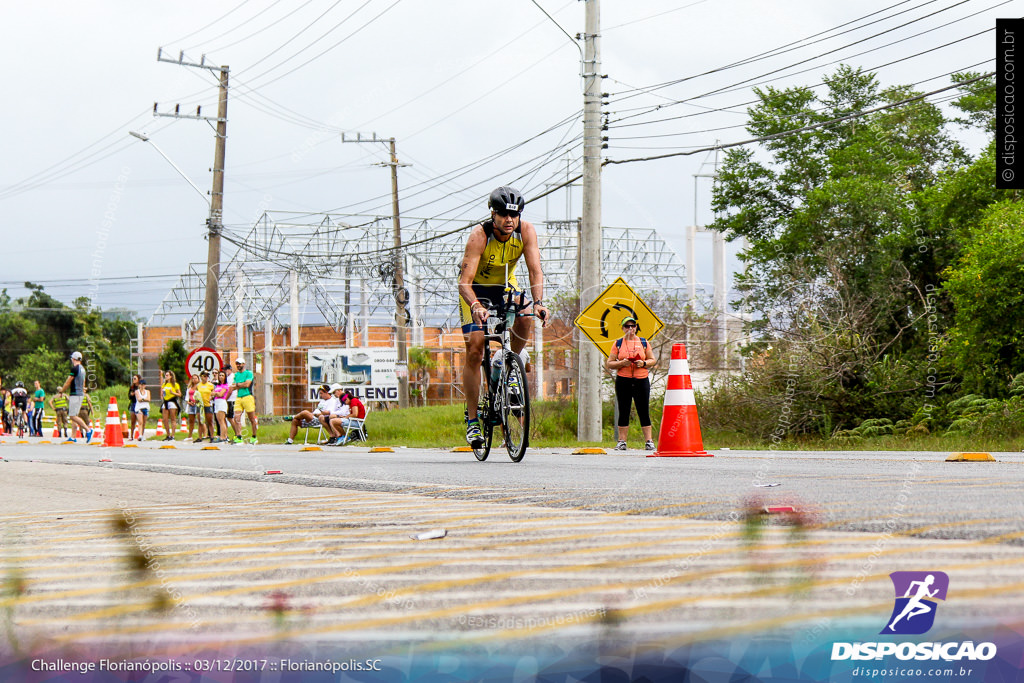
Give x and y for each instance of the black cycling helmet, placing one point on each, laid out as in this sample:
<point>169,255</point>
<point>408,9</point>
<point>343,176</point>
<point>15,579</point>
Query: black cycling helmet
<point>505,199</point>
<point>19,384</point>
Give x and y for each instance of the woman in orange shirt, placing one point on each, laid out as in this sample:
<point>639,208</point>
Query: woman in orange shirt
<point>632,359</point>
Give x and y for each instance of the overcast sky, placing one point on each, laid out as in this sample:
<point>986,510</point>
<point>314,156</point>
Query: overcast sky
<point>454,81</point>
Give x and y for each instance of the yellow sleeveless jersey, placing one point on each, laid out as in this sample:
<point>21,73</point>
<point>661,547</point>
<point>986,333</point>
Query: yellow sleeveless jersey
<point>496,255</point>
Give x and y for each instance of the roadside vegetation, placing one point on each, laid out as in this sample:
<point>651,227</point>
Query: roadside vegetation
<point>882,285</point>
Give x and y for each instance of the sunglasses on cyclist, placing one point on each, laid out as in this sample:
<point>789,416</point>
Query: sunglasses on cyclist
<point>507,214</point>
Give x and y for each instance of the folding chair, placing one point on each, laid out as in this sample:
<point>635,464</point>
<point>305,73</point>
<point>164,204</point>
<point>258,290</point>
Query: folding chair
<point>357,428</point>
<point>309,424</point>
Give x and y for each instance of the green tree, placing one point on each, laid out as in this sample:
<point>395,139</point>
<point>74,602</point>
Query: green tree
<point>173,358</point>
<point>421,362</point>
<point>16,333</point>
<point>51,368</point>
<point>843,241</point>
<point>986,288</point>
<point>39,321</point>
<point>978,102</point>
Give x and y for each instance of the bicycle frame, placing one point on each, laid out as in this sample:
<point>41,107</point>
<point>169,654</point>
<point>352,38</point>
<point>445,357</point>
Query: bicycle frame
<point>499,400</point>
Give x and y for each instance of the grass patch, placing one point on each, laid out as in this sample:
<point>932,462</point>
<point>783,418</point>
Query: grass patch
<point>553,424</point>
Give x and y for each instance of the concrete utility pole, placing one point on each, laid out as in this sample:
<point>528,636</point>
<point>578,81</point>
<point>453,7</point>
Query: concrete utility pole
<point>401,294</point>
<point>401,301</point>
<point>588,391</point>
<point>214,223</point>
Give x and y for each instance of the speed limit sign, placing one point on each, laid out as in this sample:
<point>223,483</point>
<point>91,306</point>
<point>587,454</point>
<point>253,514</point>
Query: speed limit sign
<point>203,359</point>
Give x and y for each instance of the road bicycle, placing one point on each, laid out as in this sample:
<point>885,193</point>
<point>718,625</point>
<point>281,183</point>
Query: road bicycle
<point>504,394</point>
<point>20,421</point>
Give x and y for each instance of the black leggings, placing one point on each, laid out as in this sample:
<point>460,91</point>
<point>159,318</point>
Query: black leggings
<point>627,390</point>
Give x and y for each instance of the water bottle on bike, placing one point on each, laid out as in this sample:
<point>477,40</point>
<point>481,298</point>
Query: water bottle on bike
<point>496,365</point>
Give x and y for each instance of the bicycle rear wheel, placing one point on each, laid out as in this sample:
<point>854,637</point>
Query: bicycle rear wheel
<point>515,407</point>
<point>483,413</point>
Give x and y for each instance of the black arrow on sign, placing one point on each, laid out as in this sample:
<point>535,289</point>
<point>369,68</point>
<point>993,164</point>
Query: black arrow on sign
<point>618,307</point>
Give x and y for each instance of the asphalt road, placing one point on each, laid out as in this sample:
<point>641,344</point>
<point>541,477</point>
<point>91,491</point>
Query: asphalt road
<point>853,490</point>
<point>558,544</point>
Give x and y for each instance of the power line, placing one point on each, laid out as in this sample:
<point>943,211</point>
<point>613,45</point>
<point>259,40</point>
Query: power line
<point>274,23</point>
<point>733,88</point>
<point>794,131</point>
<point>433,88</point>
<point>322,53</point>
<point>11,190</point>
<point>303,30</point>
<point>788,47</point>
<point>743,125</point>
<point>221,17</point>
<point>653,16</point>
<point>238,26</point>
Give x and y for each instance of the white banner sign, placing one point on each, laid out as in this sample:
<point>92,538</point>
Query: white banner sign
<point>367,372</point>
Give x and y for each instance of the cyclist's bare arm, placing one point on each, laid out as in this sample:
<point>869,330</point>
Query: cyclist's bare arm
<point>467,271</point>
<point>531,254</point>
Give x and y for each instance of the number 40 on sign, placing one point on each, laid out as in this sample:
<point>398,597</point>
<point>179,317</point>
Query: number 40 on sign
<point>203,359</point>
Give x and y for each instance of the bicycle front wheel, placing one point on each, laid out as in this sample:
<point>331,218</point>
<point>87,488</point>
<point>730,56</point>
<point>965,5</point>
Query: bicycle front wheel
<point>515,407</point>
<point>483,413</point>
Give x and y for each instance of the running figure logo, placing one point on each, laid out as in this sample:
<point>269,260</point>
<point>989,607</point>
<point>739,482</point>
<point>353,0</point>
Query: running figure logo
<point>916,593</point>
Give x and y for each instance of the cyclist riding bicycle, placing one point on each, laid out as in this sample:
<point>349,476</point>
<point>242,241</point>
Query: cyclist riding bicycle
<point>494,248</point>
<point>19,404</point>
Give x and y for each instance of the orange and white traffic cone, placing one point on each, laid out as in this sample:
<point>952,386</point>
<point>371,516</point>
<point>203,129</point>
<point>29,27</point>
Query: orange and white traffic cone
<point>184,424</point>
<point>124,426</point>
<point>56,432</point>
<point>160,428</point>
<point>112,436</point>
<point>679,436</point>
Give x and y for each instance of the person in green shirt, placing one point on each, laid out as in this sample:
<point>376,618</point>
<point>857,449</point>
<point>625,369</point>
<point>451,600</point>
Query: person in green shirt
<point>39,397</point>
<point>245,401</point>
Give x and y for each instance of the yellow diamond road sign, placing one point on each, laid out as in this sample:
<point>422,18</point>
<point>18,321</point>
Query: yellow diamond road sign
<point>602,320</point>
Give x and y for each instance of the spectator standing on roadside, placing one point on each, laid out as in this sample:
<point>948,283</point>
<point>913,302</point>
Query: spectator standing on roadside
<point>142,398</point>
<point>30,414</point>
<point>171,394</point>
<point>86,412</point>
<point>59,403</point>
<point>204,392</point>
<point>3,404</point>
<point>191,408</point>
<point>632,359</point>
<point>75,386</point>
<point>232,397</point>
<point>39,397</point>
<point>132,418</point>
<point>221,391</point>
<point>245,403</point>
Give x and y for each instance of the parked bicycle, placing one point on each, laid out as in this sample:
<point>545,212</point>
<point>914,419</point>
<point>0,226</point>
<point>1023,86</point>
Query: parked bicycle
<point>504,391</point>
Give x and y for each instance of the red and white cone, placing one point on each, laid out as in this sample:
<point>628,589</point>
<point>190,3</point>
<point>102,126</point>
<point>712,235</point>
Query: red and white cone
<point>160,428</point>
<point>680,428</point>
<point>112,436</point>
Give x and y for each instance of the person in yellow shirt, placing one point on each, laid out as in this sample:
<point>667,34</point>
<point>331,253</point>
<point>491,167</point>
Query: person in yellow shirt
<point>204,399</point>
<point>171,406</point>
<point>493,249</point>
